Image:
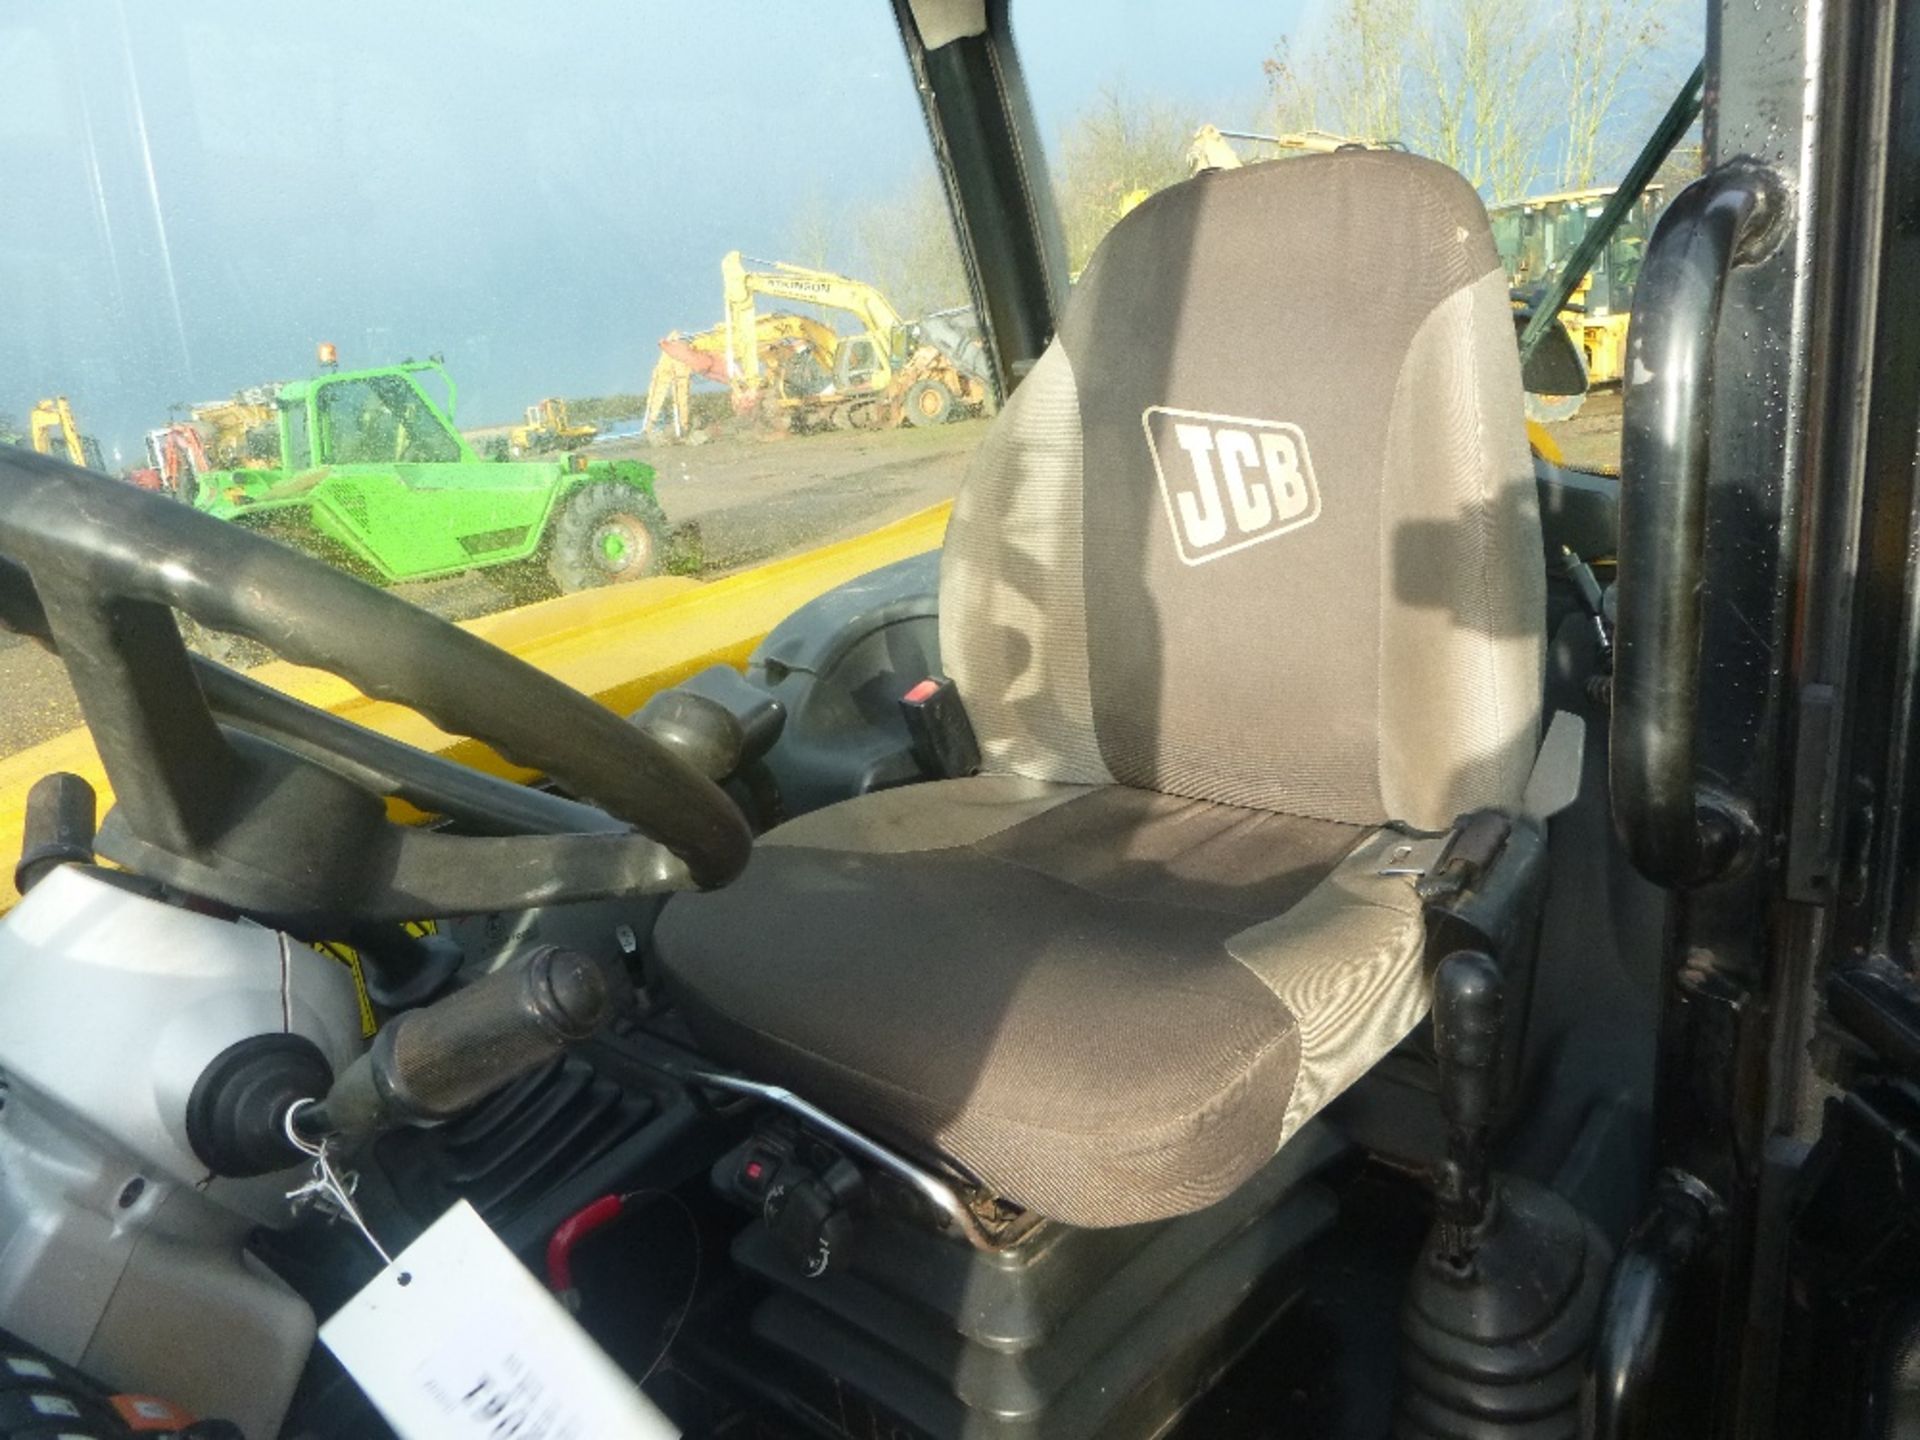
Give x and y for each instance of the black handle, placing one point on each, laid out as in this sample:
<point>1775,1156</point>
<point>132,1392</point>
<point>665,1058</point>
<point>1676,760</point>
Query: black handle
<point>1469,1004</point>
<point>1674,834</point>
<point>432,1063</point>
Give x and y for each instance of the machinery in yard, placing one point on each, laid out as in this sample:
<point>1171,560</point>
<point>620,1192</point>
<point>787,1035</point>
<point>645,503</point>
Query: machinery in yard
<point>177,458</point>
<point>791,349</point>
<point>239,432</point>
<point>1537,236</point>
<point>548,427</point>
<point>1211,147</point>
<point>371,473</point>
<point>890,372</point>
<point>52,430</point>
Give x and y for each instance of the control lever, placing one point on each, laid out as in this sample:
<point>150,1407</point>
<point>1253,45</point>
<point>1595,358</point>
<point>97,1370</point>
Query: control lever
<point>1468,1010</point>
<point>1503,1300</point>
<point>807,1213</point>
<point>430,1064</point>
<point>58,829</point>
<point>1592,600</point>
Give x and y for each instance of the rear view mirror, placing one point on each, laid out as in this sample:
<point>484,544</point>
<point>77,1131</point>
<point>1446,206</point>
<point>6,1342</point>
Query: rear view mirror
<point>1556,366</point>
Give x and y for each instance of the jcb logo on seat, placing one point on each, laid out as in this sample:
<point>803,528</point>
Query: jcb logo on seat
<point>1229,482</point>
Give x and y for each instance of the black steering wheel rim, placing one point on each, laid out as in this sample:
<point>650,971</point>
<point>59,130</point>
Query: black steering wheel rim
<point>108,562</point>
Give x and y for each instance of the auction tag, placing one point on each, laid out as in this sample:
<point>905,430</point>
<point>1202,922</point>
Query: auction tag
<point>455,1339</point>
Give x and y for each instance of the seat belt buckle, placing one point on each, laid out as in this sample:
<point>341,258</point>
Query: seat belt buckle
<point>1470,850</point>
<point>937,724</point>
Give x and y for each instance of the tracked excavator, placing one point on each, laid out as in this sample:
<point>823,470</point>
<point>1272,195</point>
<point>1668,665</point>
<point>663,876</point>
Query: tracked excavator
<point>890,372</point>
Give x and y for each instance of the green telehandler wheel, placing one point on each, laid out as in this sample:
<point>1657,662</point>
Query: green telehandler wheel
<point>606,534</point>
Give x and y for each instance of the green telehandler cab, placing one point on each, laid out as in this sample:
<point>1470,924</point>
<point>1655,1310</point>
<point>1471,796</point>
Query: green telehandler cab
<point>373,475</point>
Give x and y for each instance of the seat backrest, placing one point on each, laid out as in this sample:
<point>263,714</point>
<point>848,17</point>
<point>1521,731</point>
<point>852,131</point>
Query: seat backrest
<point>1260,525</point>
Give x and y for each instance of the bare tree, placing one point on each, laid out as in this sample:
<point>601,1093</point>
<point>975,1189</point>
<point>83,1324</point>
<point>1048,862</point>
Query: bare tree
<point>1479,105</point>
<point>1606,42</point>
<point>906,247</point>
<point>1366,66</point>
<point>817,234</point>
<point>1118,146</point>
<point>1488,86</point>
<point>1293,91</point>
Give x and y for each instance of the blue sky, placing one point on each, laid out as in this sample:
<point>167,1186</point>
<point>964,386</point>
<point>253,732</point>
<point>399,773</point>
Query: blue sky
<point>200,191</point>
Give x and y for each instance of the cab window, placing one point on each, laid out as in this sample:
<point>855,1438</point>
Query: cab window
<point>382,418</point>
<point>677,293</point>
<point>1541,106</point>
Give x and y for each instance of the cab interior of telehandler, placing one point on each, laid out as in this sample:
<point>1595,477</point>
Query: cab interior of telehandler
<point>1163,965</point>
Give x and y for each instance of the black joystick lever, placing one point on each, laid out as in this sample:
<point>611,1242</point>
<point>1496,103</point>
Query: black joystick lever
<point>1468,1029</point>
<point>1504,1298</point>
<point>58,829</point>
<point>432,1063</point>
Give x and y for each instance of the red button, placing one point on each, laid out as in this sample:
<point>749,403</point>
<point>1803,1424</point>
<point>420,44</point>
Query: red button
<point>923,692</point>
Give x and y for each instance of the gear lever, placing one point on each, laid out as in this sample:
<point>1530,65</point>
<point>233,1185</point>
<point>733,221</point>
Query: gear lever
<point>430,1064</point>
<point>1469,1006</point>
<point>1503,1301</point>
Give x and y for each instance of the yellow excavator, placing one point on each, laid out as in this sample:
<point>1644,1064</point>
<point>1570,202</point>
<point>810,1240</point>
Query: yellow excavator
<point>887,373</point>
<point>51,429</point>
<point>242,432</point>
<point>548,427</point>
<point>1211,147</point>
<point>796,351</point>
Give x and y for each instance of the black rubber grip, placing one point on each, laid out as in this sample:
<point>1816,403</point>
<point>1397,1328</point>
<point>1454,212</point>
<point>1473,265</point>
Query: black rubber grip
<point>432,1063</point>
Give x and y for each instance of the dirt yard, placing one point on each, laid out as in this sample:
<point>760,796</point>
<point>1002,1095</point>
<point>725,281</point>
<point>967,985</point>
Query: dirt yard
<point>1591,439</point>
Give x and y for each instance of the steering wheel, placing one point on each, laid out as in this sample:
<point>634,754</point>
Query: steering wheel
<point>229,790</point>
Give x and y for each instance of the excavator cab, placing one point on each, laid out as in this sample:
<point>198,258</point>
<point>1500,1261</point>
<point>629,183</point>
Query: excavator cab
<point>1233,897</point>
<point>859,363</point>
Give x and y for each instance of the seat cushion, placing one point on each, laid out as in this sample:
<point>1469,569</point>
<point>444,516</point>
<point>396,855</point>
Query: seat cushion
<point>1108,1005</point>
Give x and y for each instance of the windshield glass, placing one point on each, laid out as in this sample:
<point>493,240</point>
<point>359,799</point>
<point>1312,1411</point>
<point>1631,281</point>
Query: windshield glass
<point>486,311</point>
<point>491,313</point>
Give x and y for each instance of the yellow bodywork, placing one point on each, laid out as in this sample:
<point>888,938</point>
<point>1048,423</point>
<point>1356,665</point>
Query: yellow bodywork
<point>777,339</point>
<point>226,427</point>
<point>51,429</point>
<point>619,644</point>
<point>1209,149</point>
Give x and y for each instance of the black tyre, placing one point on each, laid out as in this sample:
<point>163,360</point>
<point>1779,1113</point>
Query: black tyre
<point>929,402</point>
<point>606,534</point>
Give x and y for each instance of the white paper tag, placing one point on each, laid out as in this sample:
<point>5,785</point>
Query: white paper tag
<point>455,1339</point>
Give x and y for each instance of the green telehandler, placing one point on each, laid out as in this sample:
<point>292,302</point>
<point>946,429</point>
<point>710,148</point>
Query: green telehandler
<point>372,475</point>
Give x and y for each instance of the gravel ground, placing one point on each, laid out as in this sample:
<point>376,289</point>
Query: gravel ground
<point>1591,440</point>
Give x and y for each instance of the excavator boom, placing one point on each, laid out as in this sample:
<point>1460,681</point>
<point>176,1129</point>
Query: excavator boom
<point>778,340</point>
<point>50,424</point>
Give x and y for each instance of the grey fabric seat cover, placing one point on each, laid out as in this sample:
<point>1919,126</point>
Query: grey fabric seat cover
<point>1247,570</point>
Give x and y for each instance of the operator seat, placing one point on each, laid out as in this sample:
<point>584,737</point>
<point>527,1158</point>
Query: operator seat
<point>1244,582</point>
